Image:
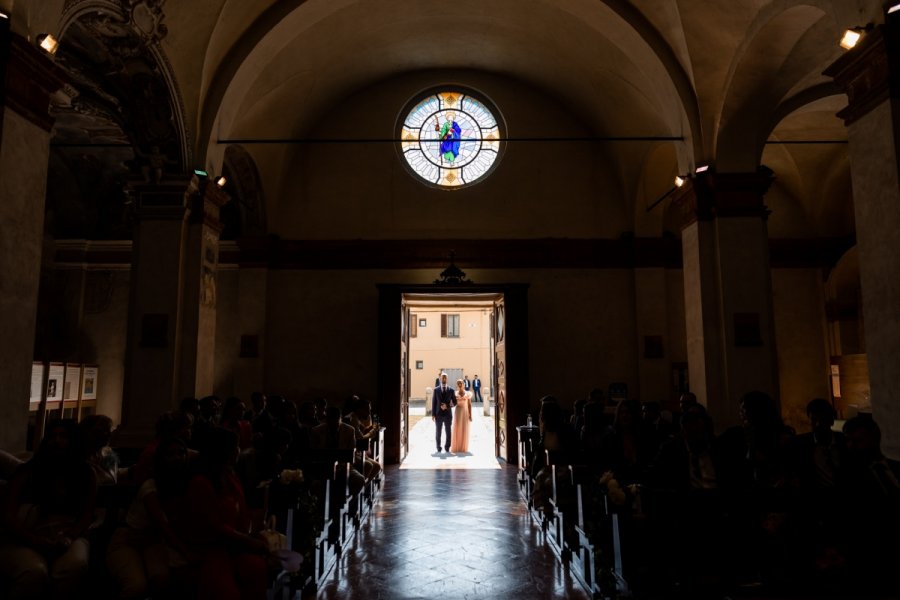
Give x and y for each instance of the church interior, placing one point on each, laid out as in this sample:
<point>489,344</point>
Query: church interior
<point>683,215</point>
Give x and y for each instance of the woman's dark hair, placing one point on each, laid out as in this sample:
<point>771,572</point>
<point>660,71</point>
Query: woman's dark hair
<point>170,423</point>
<point>169,482</point>
<point>634,409</point>
<point>218,448</point>
<point>230,404</point>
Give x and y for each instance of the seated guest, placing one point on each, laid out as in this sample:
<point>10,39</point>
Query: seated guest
<point>660,428</point>
<point>286,418</point>
<point>869,492</point>
<point>334,434</point>
<point>817,456</point>
<point>142,551</point>
<point>690,460</point>
<point>629,446</point>
<point>49,506</point>
<point>257,407</point>
<point>321,405</point>
<point>366,430</point>
<point>558,439</point>
<point>577,419</point>
<point>172,424</point>
<point>307,414</point>
<point>95,432</point>
<point>205,420</point>
<point>233,420</point>
<point>217,525</point>
<point>263,462</point>
<point>592,434</point>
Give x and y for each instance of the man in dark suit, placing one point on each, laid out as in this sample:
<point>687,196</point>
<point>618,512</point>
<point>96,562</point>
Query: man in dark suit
<point>476,389</point>
<point>442,402</point>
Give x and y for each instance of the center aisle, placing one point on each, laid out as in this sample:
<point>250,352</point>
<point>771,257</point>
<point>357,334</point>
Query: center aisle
<point>449,534</point>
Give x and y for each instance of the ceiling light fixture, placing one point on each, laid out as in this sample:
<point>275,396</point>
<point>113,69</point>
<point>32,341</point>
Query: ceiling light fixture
<point>48,43</point>
<point>200,173</point>
<point>894,8</point>
<point>701,169</point>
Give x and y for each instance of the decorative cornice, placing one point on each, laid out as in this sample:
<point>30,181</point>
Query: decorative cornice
<point>31,79</point>
<point>708,196</point>
<point>166,200</point>
<point>869,73</point>
<point>474,254</point>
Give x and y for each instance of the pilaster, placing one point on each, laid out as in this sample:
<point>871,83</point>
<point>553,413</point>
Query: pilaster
<point>870,75</point>
<point>728,290</point>
<point>28,78</point>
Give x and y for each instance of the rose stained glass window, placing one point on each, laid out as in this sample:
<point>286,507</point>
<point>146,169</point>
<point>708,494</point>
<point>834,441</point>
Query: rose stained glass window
<point>450,139</point>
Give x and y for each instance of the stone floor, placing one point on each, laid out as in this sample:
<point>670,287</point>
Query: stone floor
<point>449,534</point>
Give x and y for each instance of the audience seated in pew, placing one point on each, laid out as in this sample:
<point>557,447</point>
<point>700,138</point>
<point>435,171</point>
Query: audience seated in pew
<point>147,546</point>
<point>334,434</point>
<point>49,506</point>
<point>217,525</point>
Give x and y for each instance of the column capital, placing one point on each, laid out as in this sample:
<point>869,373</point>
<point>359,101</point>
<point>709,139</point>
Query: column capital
<point>163,201</point>
<point>708,196</point>
<point>205,202</point>
<point>31,79</point>
<point>869,73</point>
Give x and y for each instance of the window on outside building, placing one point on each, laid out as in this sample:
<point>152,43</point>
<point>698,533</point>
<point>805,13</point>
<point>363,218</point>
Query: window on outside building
<point>413,326</point>
<point>420,364</point>
<point>450,326</point>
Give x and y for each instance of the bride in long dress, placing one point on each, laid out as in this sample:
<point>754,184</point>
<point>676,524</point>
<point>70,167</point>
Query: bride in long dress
<point>461,420</point>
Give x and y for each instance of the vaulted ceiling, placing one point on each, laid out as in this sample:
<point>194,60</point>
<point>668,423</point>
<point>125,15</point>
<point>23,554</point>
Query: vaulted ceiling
<point>734,78</point>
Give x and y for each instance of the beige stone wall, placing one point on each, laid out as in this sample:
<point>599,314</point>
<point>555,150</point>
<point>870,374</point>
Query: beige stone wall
<point>106,327</point>
<point>803,363</point>
<point>570,189</point>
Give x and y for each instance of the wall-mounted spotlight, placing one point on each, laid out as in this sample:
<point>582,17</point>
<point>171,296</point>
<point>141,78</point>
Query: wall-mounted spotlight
<point>221,181</point>
<point>48,43</point>
<point>701,169</point>
<point>679,180</point>
<point>200,173</point>
<point>891,9</point>
<point>3,15</point>
<point>851,38</point>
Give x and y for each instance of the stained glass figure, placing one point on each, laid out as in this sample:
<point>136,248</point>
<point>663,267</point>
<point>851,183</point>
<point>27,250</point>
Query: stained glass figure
<point>450,139</point>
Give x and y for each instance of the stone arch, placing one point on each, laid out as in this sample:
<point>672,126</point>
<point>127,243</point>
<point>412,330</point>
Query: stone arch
<point>245,215</point>
<point>783,48</point>
<point>627,17</point>
<point>126,38</point>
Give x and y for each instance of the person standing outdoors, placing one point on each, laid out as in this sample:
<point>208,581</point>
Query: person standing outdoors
<point>476,389</point>
<point>442,402</point>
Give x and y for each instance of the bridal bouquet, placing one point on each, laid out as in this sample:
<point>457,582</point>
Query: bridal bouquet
<point>613,490</point>
<point>289,476</point>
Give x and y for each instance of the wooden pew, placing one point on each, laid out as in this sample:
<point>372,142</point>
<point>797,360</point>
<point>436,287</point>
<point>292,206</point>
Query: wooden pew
<point>608,548</point>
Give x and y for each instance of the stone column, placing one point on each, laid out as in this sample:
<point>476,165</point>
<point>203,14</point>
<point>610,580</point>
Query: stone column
<point>870,75</point>
<point>27,80</point>
<point>728,291</point>
<point>154,322</point>
<point>198,320</point>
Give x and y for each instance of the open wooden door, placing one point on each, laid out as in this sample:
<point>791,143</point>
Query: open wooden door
<point>404,380</point>
<point>499,383</point>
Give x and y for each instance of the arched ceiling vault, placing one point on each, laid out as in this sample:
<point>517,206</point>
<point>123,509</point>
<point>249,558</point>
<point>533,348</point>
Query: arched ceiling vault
<point>603,59</point>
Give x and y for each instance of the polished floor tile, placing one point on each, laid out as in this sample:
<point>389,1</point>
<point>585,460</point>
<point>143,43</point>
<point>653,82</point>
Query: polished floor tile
<point>449,534</point>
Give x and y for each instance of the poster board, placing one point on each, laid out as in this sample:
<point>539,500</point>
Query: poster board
<point>37,383</point>
<point>73,382</point>
<point>89,382</point>
<point>55,382</point>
